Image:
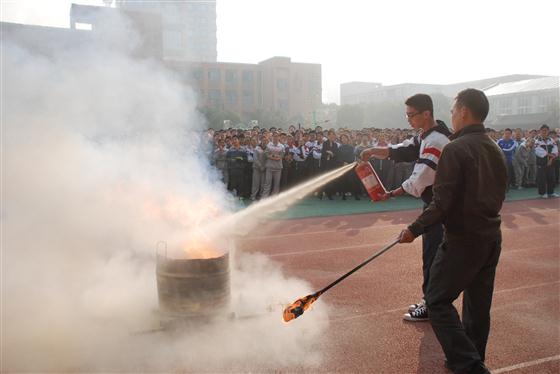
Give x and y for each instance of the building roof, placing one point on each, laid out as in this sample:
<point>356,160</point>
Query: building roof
<point>528,120</point>
<point>538,84</point>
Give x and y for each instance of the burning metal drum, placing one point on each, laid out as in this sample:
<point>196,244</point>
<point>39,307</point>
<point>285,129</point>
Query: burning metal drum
<point>190,288</point>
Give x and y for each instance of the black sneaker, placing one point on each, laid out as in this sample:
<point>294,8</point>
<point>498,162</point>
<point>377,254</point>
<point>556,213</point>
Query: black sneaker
<point>416,306</point>
<point>417,315</point>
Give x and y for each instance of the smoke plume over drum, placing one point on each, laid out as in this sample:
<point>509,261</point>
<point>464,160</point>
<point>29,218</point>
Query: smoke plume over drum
<point>102,157</point>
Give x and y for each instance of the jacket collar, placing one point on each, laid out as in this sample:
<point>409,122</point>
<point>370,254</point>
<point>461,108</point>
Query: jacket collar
<point>474,128</point>
<point>440,127</point>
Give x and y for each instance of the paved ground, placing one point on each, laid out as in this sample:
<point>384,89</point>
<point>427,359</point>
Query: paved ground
<point>367,333</point>
<point>313,207</point>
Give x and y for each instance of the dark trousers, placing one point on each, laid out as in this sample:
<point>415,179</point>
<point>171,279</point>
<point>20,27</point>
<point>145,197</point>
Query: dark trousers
<point>510,174</point>
<point>463,265</point>
<point>431,240</point>
<point>545,179</point>
<point>236,182</point>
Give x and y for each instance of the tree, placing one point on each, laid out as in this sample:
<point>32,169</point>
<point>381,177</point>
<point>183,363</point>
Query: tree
<point>351,116</point>
<point>269,118</point>
<point>216,117</point>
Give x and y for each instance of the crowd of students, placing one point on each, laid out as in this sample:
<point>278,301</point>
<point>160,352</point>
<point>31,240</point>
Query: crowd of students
<point>532,158</point>
<point>260,162</point>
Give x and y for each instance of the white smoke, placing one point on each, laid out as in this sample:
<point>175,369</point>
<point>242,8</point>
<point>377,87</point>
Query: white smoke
<point>102,157</point>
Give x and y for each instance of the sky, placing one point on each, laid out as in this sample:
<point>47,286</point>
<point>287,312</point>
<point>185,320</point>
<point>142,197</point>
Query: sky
<point>390,42</point>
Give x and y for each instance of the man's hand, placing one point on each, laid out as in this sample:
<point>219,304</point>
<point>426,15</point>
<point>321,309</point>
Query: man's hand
<point>385,196</point>
<point>377,152</point>
<point>406,236</point>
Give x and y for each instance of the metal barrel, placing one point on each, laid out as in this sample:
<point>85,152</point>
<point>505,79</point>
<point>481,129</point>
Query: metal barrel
<point>193,287</point>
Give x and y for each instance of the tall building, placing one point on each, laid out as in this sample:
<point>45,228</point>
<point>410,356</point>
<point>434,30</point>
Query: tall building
<point>188,27</point>
<point>276,85</point>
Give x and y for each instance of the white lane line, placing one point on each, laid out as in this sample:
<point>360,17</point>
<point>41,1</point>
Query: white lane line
<point>527,287</point>
<point>525,364</point>
<point>504,253</point>
<point>374,227</point>
<point>320,250</point>
<point>401,309</point>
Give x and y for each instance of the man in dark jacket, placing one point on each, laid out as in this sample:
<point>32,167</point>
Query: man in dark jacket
<point>468,193</point>
<point>236,161</point>
<point>329,160</point>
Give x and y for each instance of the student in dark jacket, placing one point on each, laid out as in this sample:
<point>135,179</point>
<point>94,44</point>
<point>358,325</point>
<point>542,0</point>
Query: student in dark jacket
<point>468,193</point>
<point>349,181</point>
<point>329,160</point>
<point>236,161</point>
<point>546,152</point>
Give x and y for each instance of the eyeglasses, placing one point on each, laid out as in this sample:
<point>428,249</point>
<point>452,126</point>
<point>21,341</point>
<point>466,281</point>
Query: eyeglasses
<point>410,115</point>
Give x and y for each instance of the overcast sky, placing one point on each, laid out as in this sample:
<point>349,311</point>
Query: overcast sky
<point>397,41</point>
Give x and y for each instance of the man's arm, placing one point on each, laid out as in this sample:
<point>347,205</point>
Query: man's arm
<point>425,168</point>
<point>406,151</point>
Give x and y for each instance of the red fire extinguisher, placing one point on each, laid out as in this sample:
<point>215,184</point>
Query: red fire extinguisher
<point>370,180</point>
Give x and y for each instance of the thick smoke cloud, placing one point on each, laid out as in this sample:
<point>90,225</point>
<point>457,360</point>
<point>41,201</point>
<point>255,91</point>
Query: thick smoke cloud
<point>101,159</point>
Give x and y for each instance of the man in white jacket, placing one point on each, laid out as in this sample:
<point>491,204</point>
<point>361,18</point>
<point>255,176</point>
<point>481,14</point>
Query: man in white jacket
<point>425,149</point>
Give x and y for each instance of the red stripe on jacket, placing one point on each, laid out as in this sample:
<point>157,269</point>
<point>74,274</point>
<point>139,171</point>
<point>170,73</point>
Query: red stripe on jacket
<point>432,150</point>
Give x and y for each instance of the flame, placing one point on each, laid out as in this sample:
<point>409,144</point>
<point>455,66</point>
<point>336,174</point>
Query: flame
<point>203,248</point>
<point>181,211</point>
<point>190,219</point>
<point>298,307</point>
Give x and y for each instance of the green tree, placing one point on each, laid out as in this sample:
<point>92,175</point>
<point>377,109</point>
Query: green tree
<point>215,117</point>
<point>269,118</point>
<point>351,116</point>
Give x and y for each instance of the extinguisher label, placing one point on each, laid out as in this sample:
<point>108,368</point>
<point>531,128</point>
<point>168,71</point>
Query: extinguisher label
<point>370,182</point>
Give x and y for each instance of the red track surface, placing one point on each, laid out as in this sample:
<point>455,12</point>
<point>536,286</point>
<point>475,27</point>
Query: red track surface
<point>367,333</point>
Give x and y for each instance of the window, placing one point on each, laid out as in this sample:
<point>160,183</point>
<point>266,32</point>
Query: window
<point>231,97</point>
<point>283,105</point>
<point>247,77</point>
<point>248,98</point>
<point>504,106</point>
<point>214,75</point>
<point>282,84</point>
<point>214,97</point>
<point>197,74</point>
<point>523,105</point>
<point>231,76</point>
<point>544,103</point>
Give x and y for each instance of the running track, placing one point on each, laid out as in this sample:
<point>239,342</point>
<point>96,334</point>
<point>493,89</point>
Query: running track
<point>367,333</point>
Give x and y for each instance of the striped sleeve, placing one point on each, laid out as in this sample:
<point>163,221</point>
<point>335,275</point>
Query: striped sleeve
<point>424,172</point>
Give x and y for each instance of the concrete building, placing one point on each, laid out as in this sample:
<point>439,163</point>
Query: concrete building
<point>377,93</point>
<point>292,88</point>
<point>277,84</point>
<point>188,27</point>
<point>526,103</point>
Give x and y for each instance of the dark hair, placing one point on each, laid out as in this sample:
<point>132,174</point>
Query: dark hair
<point>508,129</point>
<point>421,102</point>
<point>544,126</point>
<point>474,100</point>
